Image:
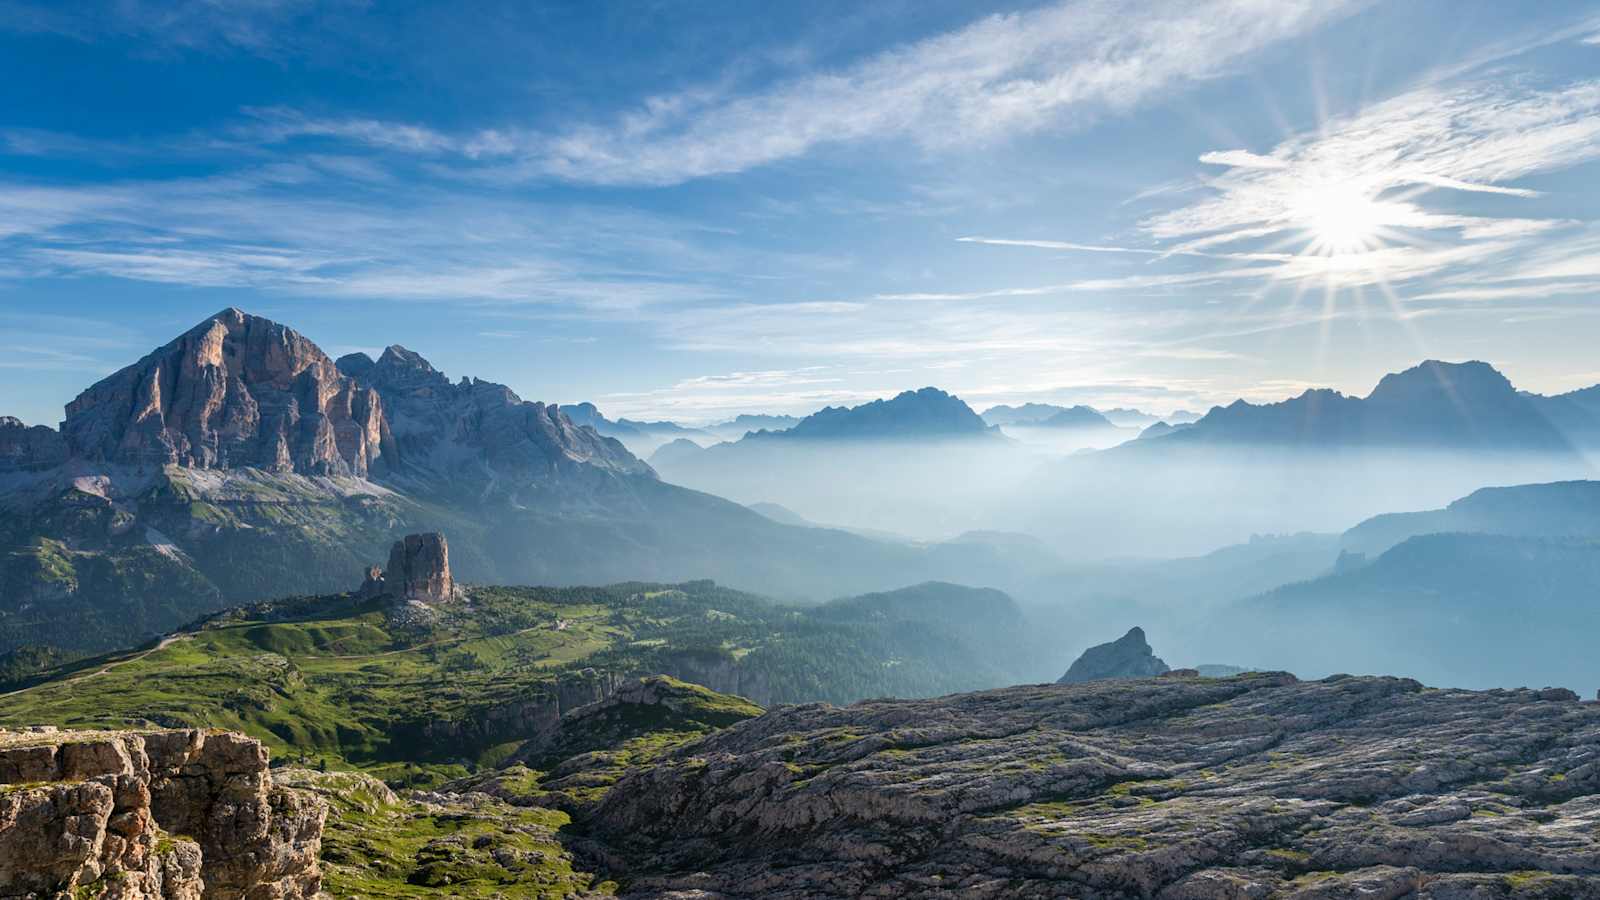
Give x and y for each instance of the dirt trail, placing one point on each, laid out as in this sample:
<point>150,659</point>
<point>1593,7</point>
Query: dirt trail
<point>163,644</point>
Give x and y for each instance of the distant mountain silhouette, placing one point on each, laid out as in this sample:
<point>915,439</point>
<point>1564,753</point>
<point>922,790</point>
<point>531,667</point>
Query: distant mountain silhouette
<point>1576,414</point>
<point>1559,509</point>
<point>1026,414</point>
<point>1162,429</point>
<point>1433,405</point>
<point>639,436</point>
<point>1451,609</point>
<point>1077,417</point>
<point>925,413</point>
<point>741,425</point>
<point>674,451</point>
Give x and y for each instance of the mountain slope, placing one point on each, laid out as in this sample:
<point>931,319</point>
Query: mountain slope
<point>1468,610</point>
<point>369,681</point>
<point>1560,509</point>
<point>928,413</point>
<point>921,463</point>
<point>238,463</point>
<point>1430,406</point>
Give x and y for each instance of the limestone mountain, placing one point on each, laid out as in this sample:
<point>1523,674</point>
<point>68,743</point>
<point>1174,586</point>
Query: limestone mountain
<point>238,462</point>
<point>234,391</point>
<point>24,448</point>
<point>478,437</point>
<point>1435,404</point>
<point>1023,414</point>
<point>1129,656</point>
<point>887,465</point>
<point>927,413</point>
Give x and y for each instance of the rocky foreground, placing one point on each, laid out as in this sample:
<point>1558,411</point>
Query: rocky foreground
<point>175,815</point>
<point>1174,787</point>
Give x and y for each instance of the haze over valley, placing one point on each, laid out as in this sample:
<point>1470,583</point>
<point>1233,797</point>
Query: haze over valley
<point>684,451</point>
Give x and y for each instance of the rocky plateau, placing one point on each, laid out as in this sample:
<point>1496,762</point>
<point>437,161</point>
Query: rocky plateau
<point>1175,787</point>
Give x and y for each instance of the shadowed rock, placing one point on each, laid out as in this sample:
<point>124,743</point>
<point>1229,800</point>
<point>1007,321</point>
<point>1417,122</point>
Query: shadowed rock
<point>1129,656</point>
<point>419,569</point>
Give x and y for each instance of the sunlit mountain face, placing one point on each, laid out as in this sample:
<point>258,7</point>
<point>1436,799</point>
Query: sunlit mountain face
<point>951,448</point>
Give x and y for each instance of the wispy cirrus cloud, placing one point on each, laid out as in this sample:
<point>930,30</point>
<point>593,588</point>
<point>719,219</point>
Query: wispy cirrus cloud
<point>1382,173</point>
<point>304,228</point>
<point>1474,138</point>
<point>1061,64</point>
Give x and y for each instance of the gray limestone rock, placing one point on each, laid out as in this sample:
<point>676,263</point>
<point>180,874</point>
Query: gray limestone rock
<point>1129,656</point>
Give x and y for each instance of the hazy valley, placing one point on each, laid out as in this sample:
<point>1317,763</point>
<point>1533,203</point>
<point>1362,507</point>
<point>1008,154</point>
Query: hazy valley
<point>984,450</point>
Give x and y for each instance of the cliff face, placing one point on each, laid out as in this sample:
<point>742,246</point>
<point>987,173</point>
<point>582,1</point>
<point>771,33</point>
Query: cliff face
<point>419,569</point>
<point>235,390</point>
<point>176,815</point>
<point>480,433</point>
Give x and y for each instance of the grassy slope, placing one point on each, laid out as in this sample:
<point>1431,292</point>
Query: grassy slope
<point>344,682</point>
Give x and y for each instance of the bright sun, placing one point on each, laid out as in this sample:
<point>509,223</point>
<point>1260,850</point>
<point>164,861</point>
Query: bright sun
<point>1341,218</point>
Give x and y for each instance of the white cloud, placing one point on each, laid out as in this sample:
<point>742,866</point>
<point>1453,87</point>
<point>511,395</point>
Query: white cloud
<point>1241,159</point>
<point>1378,168</point>
<point>1060,64</point>
<point>1474,138</point>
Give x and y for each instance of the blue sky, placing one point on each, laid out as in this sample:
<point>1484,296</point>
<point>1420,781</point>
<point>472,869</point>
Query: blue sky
<point>694,209</point>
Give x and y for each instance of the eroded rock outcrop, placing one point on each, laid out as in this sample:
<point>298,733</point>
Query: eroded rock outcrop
<point>1128,656</point>
<point>177,815</point>
<point>1172,788</point>
<point>419,569</point>
<point>235,390</point>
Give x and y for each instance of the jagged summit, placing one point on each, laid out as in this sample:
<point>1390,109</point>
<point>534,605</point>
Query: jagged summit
<point>1129,656</point>
<point>1433,405</point>
<point>241,391</point>
<point>235,390</point>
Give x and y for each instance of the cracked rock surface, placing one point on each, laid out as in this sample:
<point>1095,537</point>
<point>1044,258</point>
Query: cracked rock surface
<point>1244,787</point>
<point>176,815</point>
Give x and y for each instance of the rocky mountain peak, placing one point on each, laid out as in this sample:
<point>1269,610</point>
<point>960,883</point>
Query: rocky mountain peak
<point>24,447</point>
<point>235,390</point>
<point>354,364</point>
<point>1129,656</point>
<point>1437,381</point>
<point>928,412</point>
